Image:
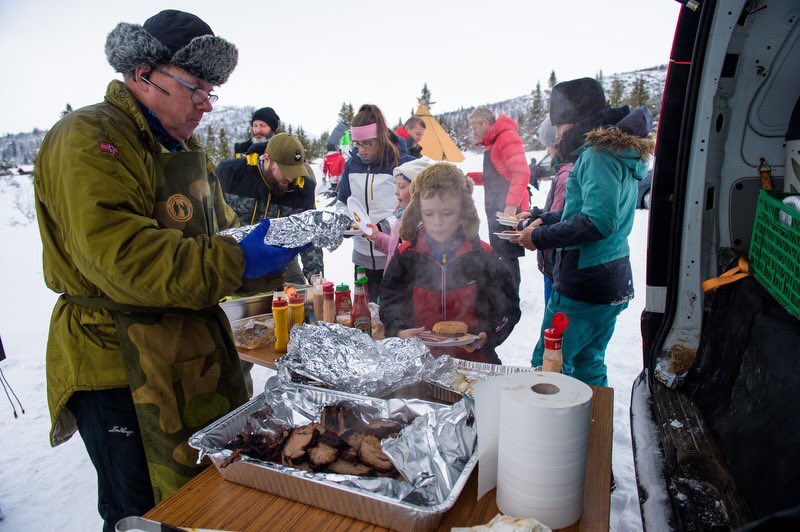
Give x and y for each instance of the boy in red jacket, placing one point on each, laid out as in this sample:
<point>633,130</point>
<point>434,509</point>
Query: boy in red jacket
<point>505,178</point>
<point>443,272</point>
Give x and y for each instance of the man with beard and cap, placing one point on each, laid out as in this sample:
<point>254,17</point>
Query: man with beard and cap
<point>592,275</point>
<point>140,355</point>
<point>263,126</point>
<point>277,185</point>
<point>505,178</point>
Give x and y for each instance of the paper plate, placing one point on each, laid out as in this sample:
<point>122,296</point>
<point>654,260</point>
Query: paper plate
<point>507,236</point>
<point>507,222</point>
<point>359,214</point>
<point>429,339</point>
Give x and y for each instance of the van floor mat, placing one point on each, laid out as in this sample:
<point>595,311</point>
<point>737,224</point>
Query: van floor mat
<point>745,383</point>
<point>701,488</point>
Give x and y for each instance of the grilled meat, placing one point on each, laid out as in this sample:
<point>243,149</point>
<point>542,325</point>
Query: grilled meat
<point>371,454</point>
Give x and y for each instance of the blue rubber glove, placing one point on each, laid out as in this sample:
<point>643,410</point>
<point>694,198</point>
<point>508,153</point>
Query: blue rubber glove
<point>261,259</point>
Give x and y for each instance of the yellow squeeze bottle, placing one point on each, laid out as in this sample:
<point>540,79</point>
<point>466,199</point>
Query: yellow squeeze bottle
<point>280,315</point>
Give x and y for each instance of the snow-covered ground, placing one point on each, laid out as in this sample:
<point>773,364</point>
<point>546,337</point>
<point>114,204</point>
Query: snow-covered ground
<point>46,489</point>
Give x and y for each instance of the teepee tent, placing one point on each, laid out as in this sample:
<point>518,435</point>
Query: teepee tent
<point>436,143</point>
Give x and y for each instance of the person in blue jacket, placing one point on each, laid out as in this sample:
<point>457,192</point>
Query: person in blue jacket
<point>592,277</point>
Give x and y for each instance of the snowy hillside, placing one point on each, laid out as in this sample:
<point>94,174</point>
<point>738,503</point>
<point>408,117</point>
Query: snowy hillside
<point>42,488</point>
<point>21,148</point>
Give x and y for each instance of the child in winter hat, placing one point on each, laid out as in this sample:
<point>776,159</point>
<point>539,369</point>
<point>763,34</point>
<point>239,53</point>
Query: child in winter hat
<point>404,176</point>
<point>444,272</point>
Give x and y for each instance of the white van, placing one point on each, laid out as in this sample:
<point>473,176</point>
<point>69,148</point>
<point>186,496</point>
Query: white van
<point>715,414</point>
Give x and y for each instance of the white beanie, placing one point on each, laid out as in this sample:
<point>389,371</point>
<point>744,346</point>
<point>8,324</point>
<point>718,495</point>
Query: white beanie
<point>547,133</point>
<point>412,169</point>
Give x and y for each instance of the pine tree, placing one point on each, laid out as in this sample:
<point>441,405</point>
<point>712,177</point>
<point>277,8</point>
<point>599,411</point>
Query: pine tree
<point>67,110</point>
<point>211,144</point>
<point>346,113</point>
<point>552,81</point>
<point>639,96</point>
<point>224,146</point>
<point>425,96</point>
<point>599,77</point>
<point>536,114</point>
<point>616,96</point>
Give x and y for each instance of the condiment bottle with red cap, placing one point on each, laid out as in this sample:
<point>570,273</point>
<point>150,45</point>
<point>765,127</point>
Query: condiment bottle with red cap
<point>296,311</point>
<point>360,316</point>
<point>328,304</point>
<point>280,316</point>
<point>552,359</point>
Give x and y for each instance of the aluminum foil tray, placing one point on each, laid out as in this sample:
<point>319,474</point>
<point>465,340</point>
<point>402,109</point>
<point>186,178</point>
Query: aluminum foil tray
<point>459,375</point>
<point>352,502</point>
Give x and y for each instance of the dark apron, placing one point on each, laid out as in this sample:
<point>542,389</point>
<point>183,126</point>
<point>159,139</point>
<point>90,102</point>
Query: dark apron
<point>182,365</point>
<point>495,189</point>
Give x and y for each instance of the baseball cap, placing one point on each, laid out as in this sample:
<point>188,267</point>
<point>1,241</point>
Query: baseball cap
<point>288,153</point>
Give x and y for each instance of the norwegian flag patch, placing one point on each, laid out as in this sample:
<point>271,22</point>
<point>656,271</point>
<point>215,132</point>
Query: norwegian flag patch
<point>107,147</point>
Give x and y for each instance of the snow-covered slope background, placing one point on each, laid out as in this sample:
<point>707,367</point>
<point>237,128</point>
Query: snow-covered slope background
<point>44,488</point>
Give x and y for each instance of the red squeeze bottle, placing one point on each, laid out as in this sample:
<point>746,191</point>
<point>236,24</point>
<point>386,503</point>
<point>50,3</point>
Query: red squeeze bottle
<point>552,343</point>
<point>360,316</point>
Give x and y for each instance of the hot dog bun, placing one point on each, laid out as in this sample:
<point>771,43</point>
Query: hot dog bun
<point>450,328</point>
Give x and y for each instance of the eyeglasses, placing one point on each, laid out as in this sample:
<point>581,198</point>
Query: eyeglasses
<point>364,143</point>
<point>199,95</point>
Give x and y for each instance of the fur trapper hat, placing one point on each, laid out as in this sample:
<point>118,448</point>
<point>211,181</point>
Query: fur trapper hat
<point>172,37</point>
<point>575,100</point>
<point>440,177</point>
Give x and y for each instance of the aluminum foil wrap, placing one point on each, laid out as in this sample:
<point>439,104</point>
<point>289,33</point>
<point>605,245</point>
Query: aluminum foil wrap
<point>346,359</point>
<point>320,228</point>
<point>431,453</point>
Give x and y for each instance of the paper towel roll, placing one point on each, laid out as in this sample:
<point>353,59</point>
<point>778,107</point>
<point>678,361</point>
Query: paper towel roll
<point>543,432</point>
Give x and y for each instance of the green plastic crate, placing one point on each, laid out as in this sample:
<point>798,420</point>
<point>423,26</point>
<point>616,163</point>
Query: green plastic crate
<point>775,250</point>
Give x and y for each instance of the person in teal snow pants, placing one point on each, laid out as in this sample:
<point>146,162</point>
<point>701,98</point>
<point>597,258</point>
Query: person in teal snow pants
<point>592,274</point>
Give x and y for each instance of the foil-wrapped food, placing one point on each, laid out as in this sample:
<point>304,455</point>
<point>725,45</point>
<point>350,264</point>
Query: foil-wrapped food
<point>341,442</point>
<point>410,450</point>
<point>346,359</point>
<point>320,228</point>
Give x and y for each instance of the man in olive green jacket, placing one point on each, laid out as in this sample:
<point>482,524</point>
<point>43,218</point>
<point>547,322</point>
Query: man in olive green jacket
<point>140,355</point>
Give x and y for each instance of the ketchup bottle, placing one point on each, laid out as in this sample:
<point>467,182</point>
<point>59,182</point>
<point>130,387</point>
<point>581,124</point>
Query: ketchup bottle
<point>552,360</point>
<point>360,316</point>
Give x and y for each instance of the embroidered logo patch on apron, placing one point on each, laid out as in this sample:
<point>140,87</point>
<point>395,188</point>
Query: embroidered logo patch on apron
<point>179,208</point>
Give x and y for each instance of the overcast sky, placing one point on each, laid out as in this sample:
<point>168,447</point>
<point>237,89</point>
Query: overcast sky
<point>304,58</point>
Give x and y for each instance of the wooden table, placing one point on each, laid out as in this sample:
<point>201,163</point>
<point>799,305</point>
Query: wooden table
<point>263,356</point>
<point>208,501</point>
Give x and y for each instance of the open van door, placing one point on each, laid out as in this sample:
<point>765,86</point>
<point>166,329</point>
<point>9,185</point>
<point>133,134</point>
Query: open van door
<point>716,434</point>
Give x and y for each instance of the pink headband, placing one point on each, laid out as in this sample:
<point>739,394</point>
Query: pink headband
<point>370,131</point>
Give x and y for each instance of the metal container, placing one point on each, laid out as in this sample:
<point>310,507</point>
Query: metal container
<point>356,503</point>
<point>441,390</point>
<point>246,307</point>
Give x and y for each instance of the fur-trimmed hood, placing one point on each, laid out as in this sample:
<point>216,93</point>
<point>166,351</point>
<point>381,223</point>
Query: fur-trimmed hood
<point>440,176</point>
<point>614,139</point>
<point>172,38</point>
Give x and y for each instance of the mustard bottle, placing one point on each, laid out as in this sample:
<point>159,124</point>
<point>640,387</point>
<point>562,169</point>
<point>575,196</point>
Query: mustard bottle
<point>296,311</point>
<point>280,315</point>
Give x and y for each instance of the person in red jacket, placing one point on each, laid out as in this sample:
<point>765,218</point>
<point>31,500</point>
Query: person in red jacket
<point>505,178</point>
<point>332,166</point>
<point>443,271</point>
<point>411,132</point>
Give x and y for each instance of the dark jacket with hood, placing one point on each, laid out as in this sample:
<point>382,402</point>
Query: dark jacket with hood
<point>423,286</point>
<point>592,264</point>
<point>247,192</point>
